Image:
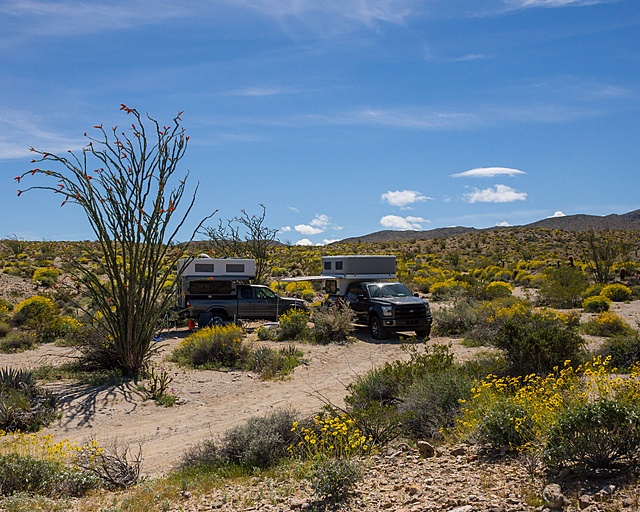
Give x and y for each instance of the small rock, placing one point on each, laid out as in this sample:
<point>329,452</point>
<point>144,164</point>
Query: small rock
<point>426,450</point>
<point>464,508</point>
<point>413,489</point>
<point>458,451</point>
<point>296,503</point>
<point>585,500</point>
<point>553,497</point>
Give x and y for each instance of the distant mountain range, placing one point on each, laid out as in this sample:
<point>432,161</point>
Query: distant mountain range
<point>627,221</point>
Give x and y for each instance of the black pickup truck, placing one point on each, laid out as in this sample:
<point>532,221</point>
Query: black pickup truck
<point>388,306</point>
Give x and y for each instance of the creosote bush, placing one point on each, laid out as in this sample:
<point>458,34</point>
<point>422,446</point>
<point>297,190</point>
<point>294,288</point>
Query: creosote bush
<point>606,323</point>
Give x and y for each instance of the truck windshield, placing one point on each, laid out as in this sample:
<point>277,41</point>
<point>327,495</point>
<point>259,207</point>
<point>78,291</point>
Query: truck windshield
<point>380,290</point>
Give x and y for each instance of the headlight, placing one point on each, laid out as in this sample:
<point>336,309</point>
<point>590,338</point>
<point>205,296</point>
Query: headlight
<point>387,310</point>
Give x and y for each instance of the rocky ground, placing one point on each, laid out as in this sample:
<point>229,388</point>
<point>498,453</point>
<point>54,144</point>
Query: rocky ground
<point>451,478</point>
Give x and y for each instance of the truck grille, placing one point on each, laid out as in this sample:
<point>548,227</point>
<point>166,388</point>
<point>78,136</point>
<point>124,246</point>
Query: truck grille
<point>411,311</point>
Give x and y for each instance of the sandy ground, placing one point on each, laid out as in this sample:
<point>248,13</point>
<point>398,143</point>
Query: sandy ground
<point>210,402</point>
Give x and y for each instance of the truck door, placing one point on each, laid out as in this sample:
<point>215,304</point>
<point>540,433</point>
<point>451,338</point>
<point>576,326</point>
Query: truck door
<point>246,302</point>
<point>357,299</point>
<point>266,303</point>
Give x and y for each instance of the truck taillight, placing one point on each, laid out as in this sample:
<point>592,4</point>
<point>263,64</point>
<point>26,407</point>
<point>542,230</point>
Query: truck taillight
<point>188,304</point>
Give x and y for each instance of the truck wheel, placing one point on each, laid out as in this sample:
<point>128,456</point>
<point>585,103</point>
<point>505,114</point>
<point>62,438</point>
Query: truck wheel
<point>423,333</point>
<point>219,318</point>
<point>377,331</point>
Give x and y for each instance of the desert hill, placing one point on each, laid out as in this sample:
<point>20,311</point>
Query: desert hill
<point>580,222</point>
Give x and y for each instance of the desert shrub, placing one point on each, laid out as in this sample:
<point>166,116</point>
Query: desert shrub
<point>563,287</point>
<point>5,328</point>
<point>332,324</point>
<point>557,415</point>
<point>266,333</point>
<point>606,323</point>
<point>212,347</point>
<point>18,341</point>
<point>45,276</point>
<point>596,304</point>
<point>523,277</point>
<point>616,292</point>
<point>535,342</point>
<point>34,310</point>
<point>623,350</point>
<point>593,290</point>
<point>35,464</point>
<point>432,402</point>
<point>503,425</point>
<point>270,363</point>
<point>594,435</point>
<point>498,289</point>
<point>334,479</point>
<point>24,406</point>
<point>416,397</point>
<point>293,325</point>
<point>449,289</point>
<point>260,443</point>
<point>39,314</point>
<point>457,319</point>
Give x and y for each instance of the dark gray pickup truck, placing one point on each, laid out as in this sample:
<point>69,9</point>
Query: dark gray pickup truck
<point>212,302</point>
<point>385,307</point>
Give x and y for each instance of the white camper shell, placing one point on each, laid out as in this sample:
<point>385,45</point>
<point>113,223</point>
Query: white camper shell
<point>339,271</point>
<point>212,277</point>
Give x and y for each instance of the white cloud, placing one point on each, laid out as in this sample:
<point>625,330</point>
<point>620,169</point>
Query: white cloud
<point>556,215</point>
<point>498,194</point>
<point>306,229</point>
<point>263,91</point>
<point>328,241</point>
<point>294,209</point>
<point>503,224</point>
<point>520,4</point>
<point>488,172</point>
<point>403,198</point>
<point>285,229</point>
<point>304,241</point>
<point>319,224</point>
<point>408,223</point>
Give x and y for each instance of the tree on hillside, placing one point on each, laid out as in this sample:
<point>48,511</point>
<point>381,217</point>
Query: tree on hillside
<point>600,254</point>
<point>245,236</point>
<point>125,182</point>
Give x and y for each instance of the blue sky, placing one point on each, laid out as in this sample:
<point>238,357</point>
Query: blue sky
<point>342,117</point>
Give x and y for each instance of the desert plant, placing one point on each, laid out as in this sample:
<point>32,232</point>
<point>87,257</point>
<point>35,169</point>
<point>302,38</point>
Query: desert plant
<point>124,185</point>
<point>595,435</point>
<point>616,292</point>
<point>257,241</point>
<point>334,479</point>
<point>270,363</point>
<point>536,342</point>
<point>622,350</point>
<point>293,325</point>
<point>260,443</point>
<point>46,276</point>
<point>457,319</point>
<point>157,387</point>
<point>596,304</point>
<point>213,347</point>
<point>332,324</point>
<point>18,341</point>
<point>563,287</point>
<point>606,323</point>
<point>498,289</point>
<point>116,467</point>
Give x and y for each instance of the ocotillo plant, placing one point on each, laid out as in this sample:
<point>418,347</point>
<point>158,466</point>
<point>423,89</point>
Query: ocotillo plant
<point>125,182</point>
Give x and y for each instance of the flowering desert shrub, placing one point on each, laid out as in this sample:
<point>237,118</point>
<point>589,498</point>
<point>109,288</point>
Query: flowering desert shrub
<point>607,323</point>
<point>596,304</point>
<point>616,292</point>
<point>213,347</point>
<point>585,416</point>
